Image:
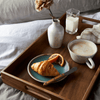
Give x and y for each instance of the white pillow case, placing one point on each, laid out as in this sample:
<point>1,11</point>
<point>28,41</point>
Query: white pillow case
<point>12,11</point>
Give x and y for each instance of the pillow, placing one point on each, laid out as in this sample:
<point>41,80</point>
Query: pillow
<point>14,11</point>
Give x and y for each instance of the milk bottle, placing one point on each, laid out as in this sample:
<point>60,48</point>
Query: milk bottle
<point>72,20</point>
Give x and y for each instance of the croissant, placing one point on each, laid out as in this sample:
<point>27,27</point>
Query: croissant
<point>45,68</point>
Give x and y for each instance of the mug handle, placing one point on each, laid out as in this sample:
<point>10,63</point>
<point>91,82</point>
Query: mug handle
<point>90,63</point>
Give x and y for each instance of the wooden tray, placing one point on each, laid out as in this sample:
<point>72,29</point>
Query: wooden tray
<point>76,86</point>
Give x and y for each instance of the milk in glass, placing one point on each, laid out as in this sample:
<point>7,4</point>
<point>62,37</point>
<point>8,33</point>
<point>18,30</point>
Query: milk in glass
<point>72,21</point>
<point>72,24</point>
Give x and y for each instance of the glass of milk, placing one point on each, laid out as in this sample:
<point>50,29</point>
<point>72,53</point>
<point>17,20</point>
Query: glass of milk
<point>72,20</point>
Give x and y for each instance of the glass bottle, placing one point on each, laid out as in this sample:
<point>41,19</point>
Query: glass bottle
<point>72,20</point>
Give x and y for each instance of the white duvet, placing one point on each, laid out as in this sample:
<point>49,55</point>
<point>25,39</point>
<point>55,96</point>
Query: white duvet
<point>15,38</point>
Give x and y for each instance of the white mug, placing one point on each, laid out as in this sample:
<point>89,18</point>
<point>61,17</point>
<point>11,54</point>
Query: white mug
<point>82,51</point>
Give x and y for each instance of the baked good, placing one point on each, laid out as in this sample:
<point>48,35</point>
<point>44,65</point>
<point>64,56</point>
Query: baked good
<point>45,68</point>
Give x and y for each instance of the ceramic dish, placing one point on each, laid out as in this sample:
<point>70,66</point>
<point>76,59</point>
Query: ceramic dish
<point>41,78</point>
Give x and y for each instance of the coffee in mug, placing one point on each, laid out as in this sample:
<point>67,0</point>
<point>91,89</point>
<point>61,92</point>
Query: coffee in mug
<point>82,51</point>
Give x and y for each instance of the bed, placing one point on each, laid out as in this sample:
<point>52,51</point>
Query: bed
<point>21,25</point>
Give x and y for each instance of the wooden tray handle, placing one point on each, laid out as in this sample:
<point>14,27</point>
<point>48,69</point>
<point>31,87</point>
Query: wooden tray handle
<point>41,95</point>
<point>88,19</point>
<point>85,22</point>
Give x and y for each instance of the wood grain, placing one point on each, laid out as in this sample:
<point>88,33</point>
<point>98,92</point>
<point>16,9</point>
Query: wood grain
<point>75,87</point>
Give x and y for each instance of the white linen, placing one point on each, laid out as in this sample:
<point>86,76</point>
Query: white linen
<point>14,11</point>
<point>15,38</point>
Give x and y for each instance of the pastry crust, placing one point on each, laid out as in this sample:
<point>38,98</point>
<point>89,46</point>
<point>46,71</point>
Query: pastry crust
<point>45,68</point>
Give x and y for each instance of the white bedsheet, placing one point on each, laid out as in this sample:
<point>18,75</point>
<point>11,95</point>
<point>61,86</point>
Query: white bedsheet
<point>15,38</point>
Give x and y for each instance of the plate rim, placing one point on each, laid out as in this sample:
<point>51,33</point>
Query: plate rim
<point>28,69</point>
